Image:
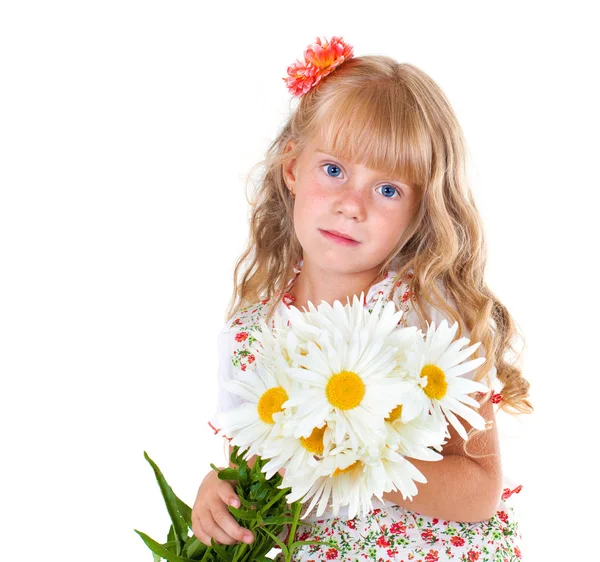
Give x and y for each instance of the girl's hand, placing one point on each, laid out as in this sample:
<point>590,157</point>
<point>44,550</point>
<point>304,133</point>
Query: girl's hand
<point>210,516</point>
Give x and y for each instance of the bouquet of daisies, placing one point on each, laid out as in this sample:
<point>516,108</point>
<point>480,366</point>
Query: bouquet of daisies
<point>342,398</point>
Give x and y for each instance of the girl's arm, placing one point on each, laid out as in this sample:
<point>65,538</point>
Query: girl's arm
<point>459,487</point>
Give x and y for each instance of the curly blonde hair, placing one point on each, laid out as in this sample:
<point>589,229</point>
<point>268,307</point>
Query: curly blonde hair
<point>391,117</point>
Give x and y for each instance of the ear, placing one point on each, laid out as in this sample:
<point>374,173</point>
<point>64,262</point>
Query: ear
<point>289,167</point>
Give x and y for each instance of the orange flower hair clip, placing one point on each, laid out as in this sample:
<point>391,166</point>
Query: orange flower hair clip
<point>320,58</point>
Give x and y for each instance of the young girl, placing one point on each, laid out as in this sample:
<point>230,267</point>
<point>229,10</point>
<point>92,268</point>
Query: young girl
<point>365,191</point>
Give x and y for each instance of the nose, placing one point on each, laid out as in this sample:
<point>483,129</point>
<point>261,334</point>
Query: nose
<point>352,203</point>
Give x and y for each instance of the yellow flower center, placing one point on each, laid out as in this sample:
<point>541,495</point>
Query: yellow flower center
<point>314,443</point>
<point>270,402</point>
<point>436,382</point>
<point>345,390</point>
<point>395,414</point>
<point>339,471</point>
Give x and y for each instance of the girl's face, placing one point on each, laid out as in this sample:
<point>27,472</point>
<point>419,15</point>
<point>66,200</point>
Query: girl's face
<point>332,194</point>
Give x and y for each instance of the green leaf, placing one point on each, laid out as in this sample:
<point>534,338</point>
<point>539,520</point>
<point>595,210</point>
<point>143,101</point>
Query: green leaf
<point>246,515</point>
<point>279,542</point>
<point>243,474</point>
<point>248,504</point>
<point>171,546</point>
<point>234,454</point>
<point>208,555</point>
<point>227,556</point>
<point>179,523</point>
<point>257,474</point>
<point>260,491</point>
<point>227,473</point>
<point>278,520</point>
<point>193,547</point>
<point>159,549</point>
<point>274,500</point>
<point>237,455</point>
<point>185,511</point>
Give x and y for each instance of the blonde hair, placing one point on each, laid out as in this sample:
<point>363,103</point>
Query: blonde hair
<point>390,117</point>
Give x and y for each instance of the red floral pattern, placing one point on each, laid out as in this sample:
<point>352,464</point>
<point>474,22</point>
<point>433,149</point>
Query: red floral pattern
<point>397,534</point>
<point>508,492</point>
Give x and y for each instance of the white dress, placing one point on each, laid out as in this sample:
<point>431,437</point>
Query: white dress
<point>389,532</point>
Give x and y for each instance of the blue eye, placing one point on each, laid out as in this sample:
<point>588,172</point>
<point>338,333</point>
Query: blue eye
<point>392,188</point>
<point>389,187</point>
<point>333,166</point>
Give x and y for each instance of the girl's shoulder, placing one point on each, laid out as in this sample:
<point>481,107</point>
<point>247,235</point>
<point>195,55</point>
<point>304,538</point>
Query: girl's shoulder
<point>404,298</point>
<point>239,332</point>
<point>401,296</point>
<point>400,293</point>
<point>249,316</point>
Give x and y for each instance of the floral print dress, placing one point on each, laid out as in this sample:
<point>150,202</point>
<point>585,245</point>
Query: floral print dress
<point>394,533</point>
<point>389,532</point>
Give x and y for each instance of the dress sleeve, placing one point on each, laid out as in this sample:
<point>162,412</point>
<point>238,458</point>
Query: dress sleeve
<point>225,399</point>
<point>410,318</point>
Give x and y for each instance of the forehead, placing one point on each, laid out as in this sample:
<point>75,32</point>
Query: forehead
<point>318,146</point>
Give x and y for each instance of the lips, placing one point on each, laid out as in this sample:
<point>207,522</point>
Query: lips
<point>343,235</point>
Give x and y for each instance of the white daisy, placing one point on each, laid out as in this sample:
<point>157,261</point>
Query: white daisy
<point>302,454</point>
<point>297,455</point>
<point>340,480</point>
<point>415,437</point>
<point>395,472</point>
<point>343,373</point>
<point>434,368</point>
<point>260,418</point>
<point>354,478</point>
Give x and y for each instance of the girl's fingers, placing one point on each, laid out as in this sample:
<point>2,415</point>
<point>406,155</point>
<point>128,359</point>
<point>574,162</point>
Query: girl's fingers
<point>211,517</point>
<point>199,533</point>
<point>227,493</point>
<point>213,529</point>
<point>230,526</point>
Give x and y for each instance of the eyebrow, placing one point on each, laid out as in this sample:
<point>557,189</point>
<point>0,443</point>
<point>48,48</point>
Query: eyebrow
<point>331,154</point>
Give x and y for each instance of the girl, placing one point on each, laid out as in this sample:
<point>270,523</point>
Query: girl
<point>365,191</point>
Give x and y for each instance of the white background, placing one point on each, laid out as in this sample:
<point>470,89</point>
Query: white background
<point>126,133</point>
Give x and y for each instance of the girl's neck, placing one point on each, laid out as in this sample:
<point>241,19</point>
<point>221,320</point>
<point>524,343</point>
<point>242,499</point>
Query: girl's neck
<point>315,285</point>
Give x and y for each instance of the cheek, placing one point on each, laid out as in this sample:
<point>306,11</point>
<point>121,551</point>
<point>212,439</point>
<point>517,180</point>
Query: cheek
<point>306,213</point>
<point>391,225</point>
<point>392,236</point>
<point>313,200</point>
<point>312,188</point>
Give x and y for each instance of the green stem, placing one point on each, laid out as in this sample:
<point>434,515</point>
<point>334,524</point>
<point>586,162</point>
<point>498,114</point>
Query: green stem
<point>275,499</point>
<point>297,506</point>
